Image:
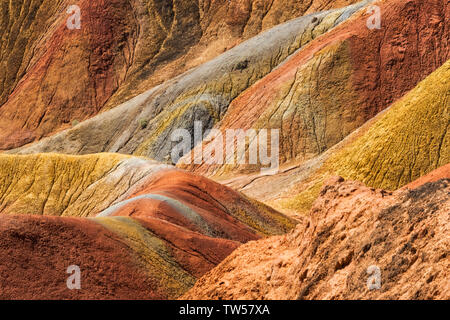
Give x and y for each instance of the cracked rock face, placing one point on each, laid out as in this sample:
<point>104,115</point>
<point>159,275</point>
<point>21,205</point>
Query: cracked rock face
<point>312,78</point>
<point>87,176</point>
<point>342,79</point>
<point>405,142</point>
<point>201,94</point>
<point>136,228</point>
<point>403,235</point>
<point>52,77</point>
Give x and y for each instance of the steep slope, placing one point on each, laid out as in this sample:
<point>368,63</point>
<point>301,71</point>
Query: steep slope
<point>354,231</point>
<point>53,184</point>
<point>435,175</point>
<point>405,142</point>
<point>151,230</point>
<point>119,258</point>
<point>411,140</point>
<point>17,48</point>
<point>105,184</point>
<point>143,125</point>
<point>65,75</point>
<point>339,81</point>
<point>123,48</point>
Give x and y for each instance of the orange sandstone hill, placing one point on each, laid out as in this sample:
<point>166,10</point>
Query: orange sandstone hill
<point>353,232</point>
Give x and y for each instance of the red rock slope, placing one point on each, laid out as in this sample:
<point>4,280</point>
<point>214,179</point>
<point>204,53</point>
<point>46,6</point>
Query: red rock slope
<point>51,76</point>
<point>200,205</point>
<point>152,229</point>
<point>342,79</point>
<point>37,250</point>
<point>404,235</point>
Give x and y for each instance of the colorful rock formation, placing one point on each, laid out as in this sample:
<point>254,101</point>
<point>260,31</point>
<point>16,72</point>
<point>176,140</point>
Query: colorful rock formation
<point>88,115</point>
<point>355,233</point>
<point>435,175</point>
<point>119,258</point>
<point>336,83</point>
<point>153,229</point>
<point>398,146</point>
<point>143,125</point>
<point>52,77</point>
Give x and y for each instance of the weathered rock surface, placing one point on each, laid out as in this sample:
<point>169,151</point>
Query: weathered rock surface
<point>337,82</point>
<point>143,125</point>
<point>110,184</point>
<point>64,185</point>
<point>352,227</point>
<point>119,258</point>
<point>366,104</point>
<point>51,77</point>
<point>201,205</point>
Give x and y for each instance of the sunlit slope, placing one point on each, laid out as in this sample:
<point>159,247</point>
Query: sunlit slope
<point>411,140</point>
<point>54,184</point>
<point>143,125</point>
<point>340,80</point>
<point>408,141</point>
<point>22,26</point>
<point>118,185</point>
<point>52,77</point>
